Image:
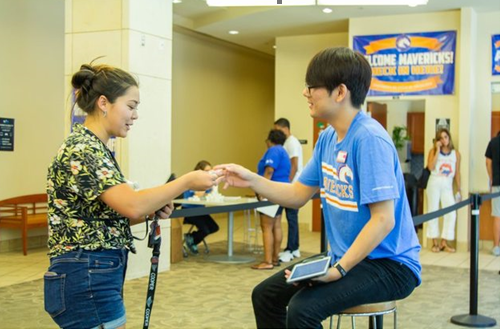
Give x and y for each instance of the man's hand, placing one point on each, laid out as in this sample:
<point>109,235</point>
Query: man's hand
<point>332,275</point>
<point>236,175</point>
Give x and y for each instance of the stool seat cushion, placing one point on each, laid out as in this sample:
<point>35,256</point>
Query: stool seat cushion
<point>371,308</point>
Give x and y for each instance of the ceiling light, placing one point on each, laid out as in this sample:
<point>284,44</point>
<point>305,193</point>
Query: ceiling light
<point>371,2</point>
<point>327,11</point>
<point>233,32</point>
<point>244,3</point>
<point>176,1</point>
<point>274,46</point>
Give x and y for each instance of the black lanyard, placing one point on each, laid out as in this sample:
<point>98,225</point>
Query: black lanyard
<point>154,242</point>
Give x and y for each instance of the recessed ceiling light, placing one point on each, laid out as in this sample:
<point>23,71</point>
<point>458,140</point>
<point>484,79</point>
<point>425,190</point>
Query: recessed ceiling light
<point>274,46</point>
<point>233,32</point>
<point>177,1</point>
<point>244,3</point>
<point>370,2</point>
<point>327,10</point>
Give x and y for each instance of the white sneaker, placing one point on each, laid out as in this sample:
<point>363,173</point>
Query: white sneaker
<point>296,253</point>
<point>286,256</point>
<point>496,251</point>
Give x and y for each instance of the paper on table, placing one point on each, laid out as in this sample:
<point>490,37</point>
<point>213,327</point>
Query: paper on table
<point>269,210</point>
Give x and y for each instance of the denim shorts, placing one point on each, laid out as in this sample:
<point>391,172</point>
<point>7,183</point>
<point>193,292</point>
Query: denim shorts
<point>83,289</point>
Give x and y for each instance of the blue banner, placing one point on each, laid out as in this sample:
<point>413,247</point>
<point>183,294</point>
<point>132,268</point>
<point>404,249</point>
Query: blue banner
<point>495,54</point>
<point>410,63</point>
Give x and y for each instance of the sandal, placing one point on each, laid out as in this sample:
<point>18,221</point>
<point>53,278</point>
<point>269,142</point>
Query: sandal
<point>448,249</point>
<point>276,263</point>
<point>435,248</point>
<point>262,266</point>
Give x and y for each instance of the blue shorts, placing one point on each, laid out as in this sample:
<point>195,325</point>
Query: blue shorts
<point>83,289</point>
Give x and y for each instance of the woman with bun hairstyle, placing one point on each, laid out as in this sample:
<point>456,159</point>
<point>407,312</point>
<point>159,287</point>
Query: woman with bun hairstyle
<point>91,207</point>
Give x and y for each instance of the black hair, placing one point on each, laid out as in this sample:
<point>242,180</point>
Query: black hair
<point>340,65</point>
<point>282,122</point>
<point>201,165</point>
<point>276,137</point>
<point>92,81</point>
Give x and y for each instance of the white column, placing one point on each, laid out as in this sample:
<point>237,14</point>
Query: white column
<point>467,116</point>
<point>136,36</point>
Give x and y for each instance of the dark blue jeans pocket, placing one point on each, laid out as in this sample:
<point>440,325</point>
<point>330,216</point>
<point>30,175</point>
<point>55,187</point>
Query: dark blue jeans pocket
<point>104,264</point>
<point>54,285</point>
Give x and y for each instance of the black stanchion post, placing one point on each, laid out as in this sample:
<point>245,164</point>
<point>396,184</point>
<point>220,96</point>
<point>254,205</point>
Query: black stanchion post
<point>473,319</point>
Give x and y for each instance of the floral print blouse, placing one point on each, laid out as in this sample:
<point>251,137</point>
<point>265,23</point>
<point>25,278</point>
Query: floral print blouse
<point>82,170</point>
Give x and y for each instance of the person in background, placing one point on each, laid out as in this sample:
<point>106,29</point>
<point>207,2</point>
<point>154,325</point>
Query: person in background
<point>373,245</point>
<point>205,224</point>
<point>274,166</point>
<point>493,167</point>
<point>294,150</point>
<point>444,163</point>
<point>91,206</point>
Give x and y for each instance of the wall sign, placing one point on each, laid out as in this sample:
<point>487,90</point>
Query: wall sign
<point>6,134</point>
<point>495,54</point>
<point>411,63</point>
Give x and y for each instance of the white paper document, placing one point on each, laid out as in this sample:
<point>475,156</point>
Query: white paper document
<point>269,210</point>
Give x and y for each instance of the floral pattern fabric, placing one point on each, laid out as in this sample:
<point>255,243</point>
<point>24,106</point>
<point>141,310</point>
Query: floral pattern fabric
<point>82,170</point>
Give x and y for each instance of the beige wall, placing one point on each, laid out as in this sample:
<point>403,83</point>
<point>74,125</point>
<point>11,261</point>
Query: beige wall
<point>222,103</point>
<point>292,57</point>
<point>31,90</point>
<point>487,24</point>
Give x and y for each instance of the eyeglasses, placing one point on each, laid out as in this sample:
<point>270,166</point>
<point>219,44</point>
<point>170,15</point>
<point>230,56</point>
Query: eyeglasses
<point>312,87</point>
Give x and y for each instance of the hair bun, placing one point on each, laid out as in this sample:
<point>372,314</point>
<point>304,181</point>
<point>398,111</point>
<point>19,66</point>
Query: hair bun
<point>83,78</point>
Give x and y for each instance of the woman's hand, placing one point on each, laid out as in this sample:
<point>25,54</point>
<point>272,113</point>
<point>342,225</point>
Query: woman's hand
<point>438,145</point>
<point>166,211</point>
<point>236,175</point>
<point>200,180</point>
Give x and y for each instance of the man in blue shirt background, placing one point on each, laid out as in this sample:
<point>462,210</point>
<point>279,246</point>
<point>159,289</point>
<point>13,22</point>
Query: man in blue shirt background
<point>373,244</point>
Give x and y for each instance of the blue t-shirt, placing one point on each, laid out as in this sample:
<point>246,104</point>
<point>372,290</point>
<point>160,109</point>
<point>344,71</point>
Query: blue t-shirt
<point>276,158</point>
<point>362,169</point>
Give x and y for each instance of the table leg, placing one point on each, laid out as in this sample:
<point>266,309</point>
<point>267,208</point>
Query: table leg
<point>230,229</point>
<point>230,258</point>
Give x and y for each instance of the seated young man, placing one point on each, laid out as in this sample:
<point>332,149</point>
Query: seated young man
<point>373,245</point>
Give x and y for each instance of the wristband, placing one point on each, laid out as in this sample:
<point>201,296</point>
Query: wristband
<point>340,269</point>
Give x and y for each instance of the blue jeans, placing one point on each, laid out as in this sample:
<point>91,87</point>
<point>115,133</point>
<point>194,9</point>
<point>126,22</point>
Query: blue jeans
<point>371,281</point>
<point>83,289</point>
<point>292,216</point>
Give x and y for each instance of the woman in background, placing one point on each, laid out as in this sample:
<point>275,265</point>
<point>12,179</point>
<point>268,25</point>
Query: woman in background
<point>444,163</point>
<point>275,165</point>
<point>205,224</point>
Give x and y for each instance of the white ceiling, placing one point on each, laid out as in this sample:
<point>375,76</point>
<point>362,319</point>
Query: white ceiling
<point>259,26</point>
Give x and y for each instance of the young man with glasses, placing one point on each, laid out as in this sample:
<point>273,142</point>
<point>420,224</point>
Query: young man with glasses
<point>355,166</point>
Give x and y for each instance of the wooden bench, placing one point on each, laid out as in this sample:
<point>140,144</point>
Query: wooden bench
<point>24,213</point>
